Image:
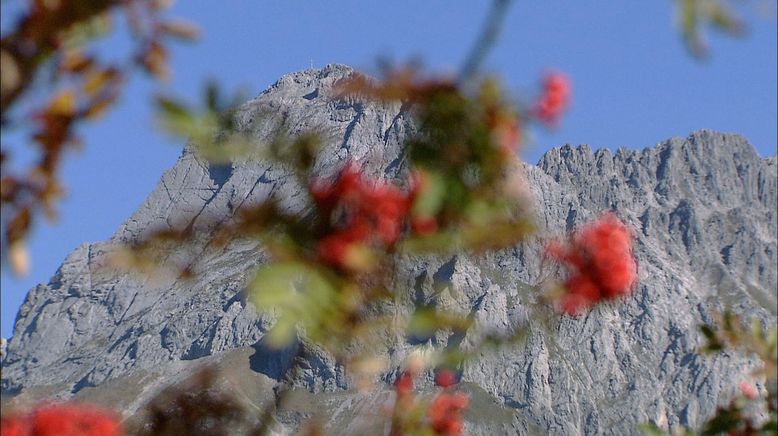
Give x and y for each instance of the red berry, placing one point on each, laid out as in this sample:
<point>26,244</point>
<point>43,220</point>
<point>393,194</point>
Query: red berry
<point>63,420</point>
<point>554,99</point>
<point>445,413</point>
<point>445,378</point>
<point>373,214</point>
<point>404,384</point>
<point>602,266</point>
<point>424,225</point>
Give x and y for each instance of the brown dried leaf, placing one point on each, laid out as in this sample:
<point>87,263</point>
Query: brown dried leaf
<point>94,82</point>
<point>75,61</point>
<point>179,29</point>
<point>97,109</point>
<point>154,60</point>
<point>18,226</point>
<point>63,103</point>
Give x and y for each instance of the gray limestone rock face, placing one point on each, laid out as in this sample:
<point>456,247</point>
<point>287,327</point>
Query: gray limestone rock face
<point>703,210</point>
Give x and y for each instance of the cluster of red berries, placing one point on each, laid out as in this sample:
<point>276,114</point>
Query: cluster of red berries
<point>748,390</point>
<point>554,99</point>
<point>403,386</point>
<point>444,414</point>
<point>602,266</point>
<point>62,420</point>
<point>367,214</point>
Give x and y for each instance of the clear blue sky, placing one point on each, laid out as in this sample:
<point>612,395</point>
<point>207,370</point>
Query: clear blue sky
<point>634,85</point>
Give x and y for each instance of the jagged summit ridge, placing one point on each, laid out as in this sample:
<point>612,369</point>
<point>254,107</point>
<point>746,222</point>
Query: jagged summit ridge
<point>715,165</point>
<point>709,181</point>
<point>704,212</point>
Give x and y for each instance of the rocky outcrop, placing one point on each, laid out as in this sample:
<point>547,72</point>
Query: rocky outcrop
<point>703,209</point>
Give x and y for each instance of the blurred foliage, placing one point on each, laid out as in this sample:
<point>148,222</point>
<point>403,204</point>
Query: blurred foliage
<point>456,180</point>
<point>751,411</point>
<point>756,339</point>
<point>330,272</point>
<point>197,407</point>
<point>49,48</point>
<point>210,126</point>
<point>732,333</point>
<point>304,296</point>
<point>464,167</point>
<point>329,277</point>
<point>695,16</point>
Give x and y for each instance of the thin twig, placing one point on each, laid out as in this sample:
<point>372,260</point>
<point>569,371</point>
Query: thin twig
<point>486,39</point>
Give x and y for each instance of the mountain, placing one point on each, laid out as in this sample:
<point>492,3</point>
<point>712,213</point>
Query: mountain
<point>704,213</point>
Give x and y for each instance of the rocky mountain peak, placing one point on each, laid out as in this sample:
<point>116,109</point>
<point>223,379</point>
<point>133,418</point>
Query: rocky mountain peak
<point>703,210</point>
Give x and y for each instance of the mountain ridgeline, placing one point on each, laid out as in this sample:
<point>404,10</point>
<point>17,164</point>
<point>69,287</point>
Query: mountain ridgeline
<point>703,209</point>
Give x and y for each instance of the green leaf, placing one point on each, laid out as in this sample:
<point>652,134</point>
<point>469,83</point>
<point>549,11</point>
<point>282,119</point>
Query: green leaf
<point>300,294</point>
<point>437,242</point>
<point>708,332</point>
<point>721,17</point>
<point>479,212</point>
<point>756,329</point>
<point>772,343</point>
<point>689,17</point>
<point>724,421</point>
<point>212,100</point>
<point>423,323</point>
<point>728,320</point>
<point>171,107</point>
<point>430,199</point>
<point>771,425</point>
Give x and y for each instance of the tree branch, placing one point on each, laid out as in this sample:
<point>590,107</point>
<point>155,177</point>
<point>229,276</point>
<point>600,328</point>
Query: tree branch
<point>486,39</point>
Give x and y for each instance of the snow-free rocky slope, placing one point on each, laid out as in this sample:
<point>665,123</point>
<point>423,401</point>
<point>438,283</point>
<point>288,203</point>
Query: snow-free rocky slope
<point>703,209</point>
